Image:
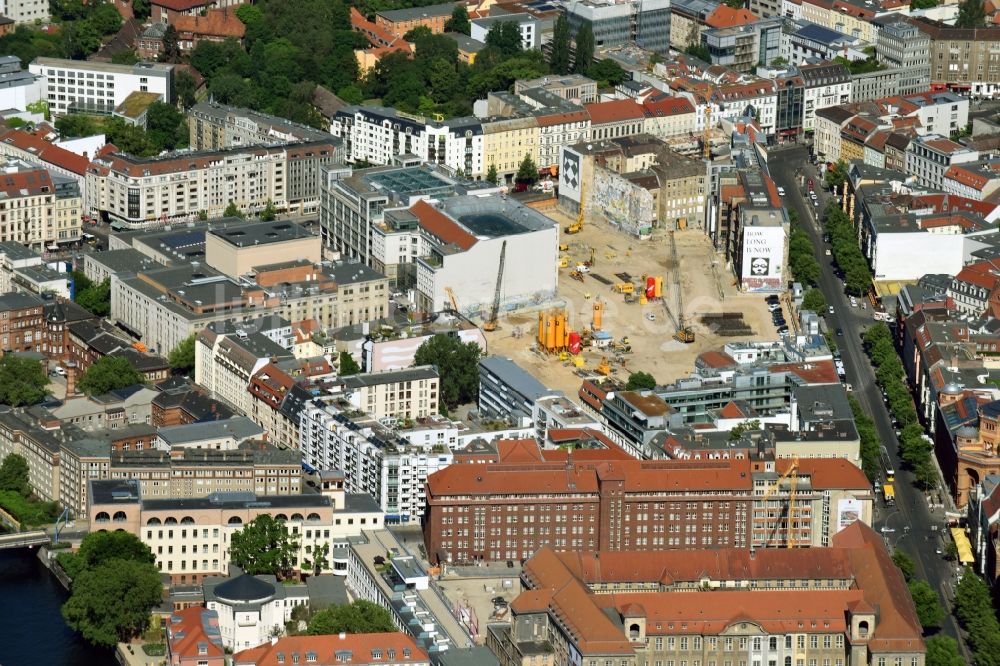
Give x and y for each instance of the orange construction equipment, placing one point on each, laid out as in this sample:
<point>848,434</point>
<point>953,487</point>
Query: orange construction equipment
<point>553,331</point>
<point>603,368</point>
<point>139,347</point>
<point>598,315</point>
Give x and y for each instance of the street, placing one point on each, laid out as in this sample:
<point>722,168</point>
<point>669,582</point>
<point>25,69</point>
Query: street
<point>911,510</point>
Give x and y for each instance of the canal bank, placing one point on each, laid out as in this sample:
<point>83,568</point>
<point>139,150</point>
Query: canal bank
<point>35,630</point>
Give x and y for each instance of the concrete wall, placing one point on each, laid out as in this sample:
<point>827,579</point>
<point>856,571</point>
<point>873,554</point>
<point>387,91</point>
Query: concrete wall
<point>938,253</point>
<point>235,261</point>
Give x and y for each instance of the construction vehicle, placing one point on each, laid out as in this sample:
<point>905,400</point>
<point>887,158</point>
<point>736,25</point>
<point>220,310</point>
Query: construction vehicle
<point>590,263</point>
<point>451,297</point>
<point>491,323</point>
<point>684,334</point>
<point>563,247</point>
<point>577,226</point>
<point>603,368</point>
<point>563,262</point>
<point>630,298</point>
<point>624,288</point>
<point>792,475</point>
<point>576,275</point>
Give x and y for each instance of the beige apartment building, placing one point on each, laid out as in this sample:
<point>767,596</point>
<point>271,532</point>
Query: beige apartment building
<point>411,393</point>
<point>37,208</point>
<point>254,468</point>
<point>236,249</point>
<point>135,191</point>
<point>506,141</point>
<point>190,538</point>
<point>966,58</point>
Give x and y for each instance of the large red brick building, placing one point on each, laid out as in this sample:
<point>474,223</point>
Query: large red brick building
<point>585,501</point>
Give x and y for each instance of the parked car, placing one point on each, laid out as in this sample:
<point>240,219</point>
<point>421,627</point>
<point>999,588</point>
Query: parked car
<point>59,370</point>
<point>782,330</point>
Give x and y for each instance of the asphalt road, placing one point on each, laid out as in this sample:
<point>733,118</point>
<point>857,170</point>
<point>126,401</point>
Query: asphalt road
<point>922,537</point>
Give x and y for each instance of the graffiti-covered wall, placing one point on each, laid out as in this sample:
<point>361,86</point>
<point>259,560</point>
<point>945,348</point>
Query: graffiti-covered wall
<point>629,206</point>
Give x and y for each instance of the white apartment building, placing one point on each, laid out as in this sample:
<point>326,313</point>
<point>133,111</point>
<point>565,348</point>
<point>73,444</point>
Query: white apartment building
<point>190,538</point>
<point>19,88</point>
<point>38,209</point>
<point>928,158</point>
<point>225,362</point>
<point>938,112</point>
<point>98,87</point>
<point>137,192</point>
<point>825,84</point>
<point>410,393</point>
<point>250,607</point>
<point>383,136</point>
<point>25,11</point>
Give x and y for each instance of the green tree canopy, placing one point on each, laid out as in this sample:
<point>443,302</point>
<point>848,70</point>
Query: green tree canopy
<point>112,601</point>
<point>559,56</point>
<point>263,546</point>
<point>527,172</point>
<point>99,547</point>
<point>182,357</point>
<point>347,364</point>
<point>232,210</point>
<point>95,297</point>
<point>640,380</point>
<point>505,37</point>
<point>584,59</point>
<point>491,174</point>
<point>971,14</point>
<point>360,617</point>
<point>457,364</point>
<point>606,73</point>
<point>905,564</point>
<point>837,176</point>
<point>22,381</point>
<point>171,45</point>
<point>943,651</point>
<point>125,57</point>
<point>459,21</point>
<point>928,605</point>
<point>109,373</point>
<point>814,300</point>
<point>269,213</point>
<point>185,85</point>
<point>699,51</point>
<point>166,128</point>
<point>14,475</point>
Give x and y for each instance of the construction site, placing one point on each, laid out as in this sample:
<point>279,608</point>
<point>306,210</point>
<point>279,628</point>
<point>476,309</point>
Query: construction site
<point>630,305</point>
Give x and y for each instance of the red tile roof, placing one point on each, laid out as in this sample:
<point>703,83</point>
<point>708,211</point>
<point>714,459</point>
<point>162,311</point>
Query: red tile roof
<point>725,16</point>
<point>667,106</point>
<point>960,174</point>
<point>614,111</point>
<point>182,5</point>
<point>716,359</point>
<point>329,648</point>
<point>26,183</point>
<point>441,226</point>
<point>186,631</point>
<point>215,23</point>
<point>45,151</point>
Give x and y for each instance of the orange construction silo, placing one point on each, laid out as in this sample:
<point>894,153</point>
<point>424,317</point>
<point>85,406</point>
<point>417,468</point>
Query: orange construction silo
<point>560,331</point>
<point>658,287</point>
<point>598,315</point>
<point>541,329</point>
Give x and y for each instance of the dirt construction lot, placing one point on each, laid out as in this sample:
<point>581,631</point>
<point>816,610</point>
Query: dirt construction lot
<point>704,287</point>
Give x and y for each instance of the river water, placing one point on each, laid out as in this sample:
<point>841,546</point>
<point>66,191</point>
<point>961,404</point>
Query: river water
<point>34,631</point>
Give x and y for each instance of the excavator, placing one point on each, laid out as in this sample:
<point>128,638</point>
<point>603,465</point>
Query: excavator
<point>577,226</point>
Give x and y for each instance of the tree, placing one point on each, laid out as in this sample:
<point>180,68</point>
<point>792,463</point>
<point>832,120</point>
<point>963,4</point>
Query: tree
<point>905,564</point>
<point>606,73</point>
<point>584,50</point>
<point>185,86</point>
<point>22,381</point>
<point>814,301</point>
<point>232,210</point>
<point>14,475</point>
<point>836,176</point>
<point>171,46</point>
<point>459,21</point>
<point>527,173</point>
<point>505,38</point>
<point>182,356</point>
<point>319,558</point>
<point>491,174</point>
<point>125,57</point>
<point>743,427</point>
<point>699,51</point>
<point>140,9</point>
<point>105,19</point>
<point>263,546</point>
<point>640,380</point>
<point>269,213</point>
<point>926,601</point>
<point>96,298</point>
<point>166,128</point>
<point>457,364</point>
<point>360,617</point>
<point>99,547</point>
<point>943,651</point>
<point>735,4</point>
<point>348,366</point>
<point>111,602</point>
<point>108,374</point>
<point>971,14</point>
<point>559,56</point>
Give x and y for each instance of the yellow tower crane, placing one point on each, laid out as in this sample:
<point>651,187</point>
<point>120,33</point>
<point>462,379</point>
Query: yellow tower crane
<point>706,138</point>
<point>451,297</point>
<point>793,477</point>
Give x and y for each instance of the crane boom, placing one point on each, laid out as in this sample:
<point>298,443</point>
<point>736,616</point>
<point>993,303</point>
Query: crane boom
<point>791,472</point>
<point>451,297</point>
<point>491,323</point>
